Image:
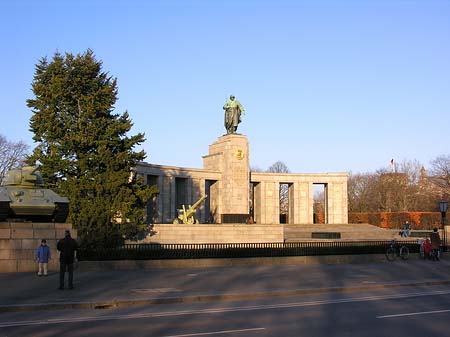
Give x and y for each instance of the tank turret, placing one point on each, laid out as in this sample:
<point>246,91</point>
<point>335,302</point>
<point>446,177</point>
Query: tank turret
<point>24,196</point>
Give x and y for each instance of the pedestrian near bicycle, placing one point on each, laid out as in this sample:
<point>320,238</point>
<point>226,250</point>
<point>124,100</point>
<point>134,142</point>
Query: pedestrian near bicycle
<point>435,244</point>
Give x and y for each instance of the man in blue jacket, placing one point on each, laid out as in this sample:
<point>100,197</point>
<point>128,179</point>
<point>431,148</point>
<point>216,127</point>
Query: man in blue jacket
<point>67,247</point>
<point>43,255</point>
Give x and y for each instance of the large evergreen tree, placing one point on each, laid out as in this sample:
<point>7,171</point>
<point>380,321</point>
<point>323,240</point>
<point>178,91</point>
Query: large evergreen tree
<point>83,147</point>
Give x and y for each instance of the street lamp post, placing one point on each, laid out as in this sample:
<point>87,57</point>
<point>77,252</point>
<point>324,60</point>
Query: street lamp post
<point>443,205</point>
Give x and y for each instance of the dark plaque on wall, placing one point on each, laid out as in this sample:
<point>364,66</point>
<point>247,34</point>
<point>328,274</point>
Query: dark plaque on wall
<point>234,218</point>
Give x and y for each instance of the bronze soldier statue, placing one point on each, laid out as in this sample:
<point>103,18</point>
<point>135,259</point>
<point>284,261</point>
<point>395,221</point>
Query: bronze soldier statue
<point>233,110</point>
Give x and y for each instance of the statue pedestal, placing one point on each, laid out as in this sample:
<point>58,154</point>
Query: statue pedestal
<point>229,197</point>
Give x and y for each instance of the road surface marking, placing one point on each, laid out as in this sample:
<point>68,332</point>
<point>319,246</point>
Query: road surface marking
<point>216,332</point>
<point>220,310</point>
<point>155,290</point>
<point>415,313</point>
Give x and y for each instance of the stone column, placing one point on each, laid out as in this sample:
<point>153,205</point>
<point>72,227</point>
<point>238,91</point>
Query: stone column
<point>167,195</point>
<point>258,197</point>
<point>267,202</point>
<point>230,156</point>
<point>337,203</point>
<point>200,186</point>
<point>294,203</point>
<point>303,203</point>
<point>159,200</point>
<point>272,203</point>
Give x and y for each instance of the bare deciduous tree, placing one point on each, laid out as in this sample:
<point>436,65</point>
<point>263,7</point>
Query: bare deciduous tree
<point>408,189</point>
<point>319,205</point>
<point>362,192</point>
<point>12,154</point>
<point>440,170</point>
<point>278,167</point>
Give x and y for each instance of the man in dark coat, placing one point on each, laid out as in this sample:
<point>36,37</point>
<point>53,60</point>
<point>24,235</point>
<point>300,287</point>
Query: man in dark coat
<point>435,244</point>
<point>67,247</point>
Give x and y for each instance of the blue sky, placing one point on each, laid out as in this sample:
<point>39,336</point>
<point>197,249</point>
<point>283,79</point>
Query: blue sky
<point>328,86</point>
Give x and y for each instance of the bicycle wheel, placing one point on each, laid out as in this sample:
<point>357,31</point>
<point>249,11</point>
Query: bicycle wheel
<point>404,252</point>
<point>390,254</point>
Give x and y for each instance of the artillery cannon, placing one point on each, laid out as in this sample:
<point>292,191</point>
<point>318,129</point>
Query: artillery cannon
<point>186,216</point>
<point>23,196</point>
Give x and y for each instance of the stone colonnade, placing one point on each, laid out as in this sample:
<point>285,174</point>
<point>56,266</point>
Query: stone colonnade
<point>266,197</point>
<point>233,190</point>
<point>176,186</point>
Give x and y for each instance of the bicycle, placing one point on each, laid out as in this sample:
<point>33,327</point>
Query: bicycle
<point>393,251</point>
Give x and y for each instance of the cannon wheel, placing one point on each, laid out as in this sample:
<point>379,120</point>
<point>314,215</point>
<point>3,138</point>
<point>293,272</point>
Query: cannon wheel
<point>190,220</point>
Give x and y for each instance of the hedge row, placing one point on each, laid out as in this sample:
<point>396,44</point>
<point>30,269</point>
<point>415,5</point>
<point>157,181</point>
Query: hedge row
<point>395,220</point>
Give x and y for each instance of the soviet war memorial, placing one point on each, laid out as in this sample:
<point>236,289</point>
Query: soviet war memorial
<point>177,168</point>
<point>235,195</point>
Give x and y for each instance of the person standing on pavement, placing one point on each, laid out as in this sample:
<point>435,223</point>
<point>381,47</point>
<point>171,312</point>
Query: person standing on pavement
<point>435,244</point>
<point>427,249</point>
<point>67,247</point>
<point>43,254</point>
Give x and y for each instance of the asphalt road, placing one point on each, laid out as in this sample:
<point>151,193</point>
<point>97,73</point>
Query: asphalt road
<point>408,311</point>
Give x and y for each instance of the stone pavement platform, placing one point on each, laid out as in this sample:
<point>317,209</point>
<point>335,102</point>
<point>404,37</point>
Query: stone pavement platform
<point>108,289</point>
<point>346,232</point>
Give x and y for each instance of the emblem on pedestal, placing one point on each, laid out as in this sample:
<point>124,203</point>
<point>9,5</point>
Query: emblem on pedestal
<point>240,154</point>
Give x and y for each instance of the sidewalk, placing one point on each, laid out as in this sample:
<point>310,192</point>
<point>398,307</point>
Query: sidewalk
<point>104,289</point>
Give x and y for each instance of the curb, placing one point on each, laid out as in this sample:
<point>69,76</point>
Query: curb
<point>231,262</point>
<point>207,298</point>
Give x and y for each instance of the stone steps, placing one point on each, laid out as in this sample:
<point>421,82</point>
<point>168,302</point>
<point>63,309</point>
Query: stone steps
<point>308,232</point>
<point>332,228</point>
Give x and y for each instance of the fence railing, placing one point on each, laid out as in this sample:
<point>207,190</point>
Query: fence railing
<point>238,250</point>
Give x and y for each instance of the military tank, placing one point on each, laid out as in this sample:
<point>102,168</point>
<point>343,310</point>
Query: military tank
<point>23,196</point>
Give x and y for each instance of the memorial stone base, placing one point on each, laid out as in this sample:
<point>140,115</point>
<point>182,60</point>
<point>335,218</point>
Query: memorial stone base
<point>20,240</point>
<point>215,233</point>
